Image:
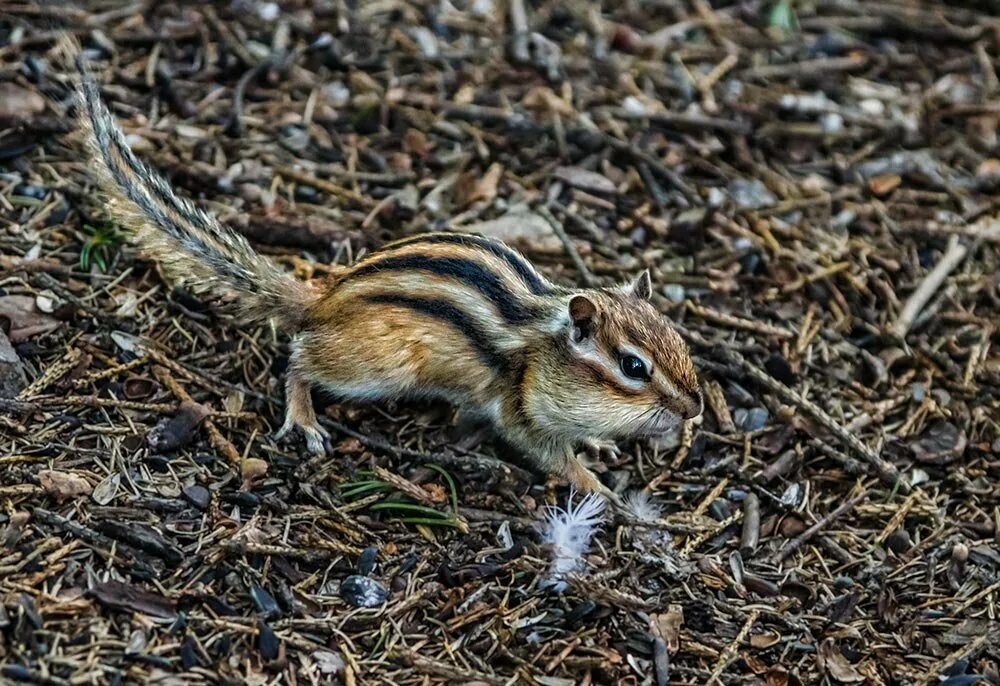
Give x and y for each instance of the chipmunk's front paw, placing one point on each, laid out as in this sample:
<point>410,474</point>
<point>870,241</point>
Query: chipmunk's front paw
<point>601,450</point>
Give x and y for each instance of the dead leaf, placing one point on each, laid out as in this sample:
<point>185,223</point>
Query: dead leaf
<point>668,626</point>
<point>12,374</point>
<point>471,187</point>
<point>415,143</point>
<point>834,662</point>
<point>18,103</point>
<point>941,443</point>
<point>119,596</point>
<point>253,469</point>
<point>177,431</point>
<point>63,485</point>
<point>233,402</point>
<point>106,491</point>
<point>24,318</point>
<point>765,639</point>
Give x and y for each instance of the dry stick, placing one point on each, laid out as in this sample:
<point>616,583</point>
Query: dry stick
<point>215,437</point>
<point>729,654</point>
<point>931,676</point>
<point>952,257</point>
<point>519,34</point>
<point>656,165</point>
<point>886,471</point>
<point>734,322</point>
<point>751,525</point>
<point>574,254</point>
<point>429,666</point>
<point>480,462</point>
<point>807,535</point>
<point>324,185</point>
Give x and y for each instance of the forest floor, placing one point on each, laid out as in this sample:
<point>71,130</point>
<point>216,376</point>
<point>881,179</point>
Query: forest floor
<point>814,187</point>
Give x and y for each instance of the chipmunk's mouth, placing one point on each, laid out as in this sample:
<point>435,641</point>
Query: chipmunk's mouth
<point>662,422</point>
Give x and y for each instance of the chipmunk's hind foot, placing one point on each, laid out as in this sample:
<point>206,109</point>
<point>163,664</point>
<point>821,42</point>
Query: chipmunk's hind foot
<point>299,413</point>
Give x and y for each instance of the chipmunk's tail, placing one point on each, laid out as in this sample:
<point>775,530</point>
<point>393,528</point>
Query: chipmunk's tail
<point>180,236</point>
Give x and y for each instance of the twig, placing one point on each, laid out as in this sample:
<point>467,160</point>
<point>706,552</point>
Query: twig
<point>952,257</point>
<point>807,535</point>
<point>656,165</point>
<point>735,322</point>
<point>325,186</point>
<point>215,437</point>
<point>519,33</point>
<point>571,250</point>
<point>478,462</point>
<point>729,653</point>
<point>886,471</point>
<point>428,666</point>
<point>932,674</point>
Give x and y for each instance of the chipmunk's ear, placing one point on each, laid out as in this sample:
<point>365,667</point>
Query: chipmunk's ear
<point>583,313</point>
<point>641,286</point>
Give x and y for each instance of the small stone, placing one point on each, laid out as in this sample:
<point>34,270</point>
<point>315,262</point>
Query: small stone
<point>751,194</point>
<point>899,541</point>
<point>750,420</point>
<point>831,123</point>
<point>674,292</point>
<point>198,496</point>
<point>361,591</point>
<point>883,184</point>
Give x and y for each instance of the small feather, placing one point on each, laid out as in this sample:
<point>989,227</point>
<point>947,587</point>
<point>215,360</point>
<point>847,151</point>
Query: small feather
<point>569,531</point>
<point>642,506</point>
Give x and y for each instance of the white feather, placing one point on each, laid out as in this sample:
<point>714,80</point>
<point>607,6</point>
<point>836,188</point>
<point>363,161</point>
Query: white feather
<point>569,533</point>
<point>654,545</point>
<point>642,506</point>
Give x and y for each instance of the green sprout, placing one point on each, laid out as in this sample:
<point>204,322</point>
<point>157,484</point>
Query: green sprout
<point>402,509</point>
<point>100,247</point>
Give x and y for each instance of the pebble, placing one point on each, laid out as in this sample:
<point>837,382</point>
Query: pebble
<point>750,420</point>
<point>831,123</point>
<point>674,292</point>
<point>361,591</point>
<point>751,194</point>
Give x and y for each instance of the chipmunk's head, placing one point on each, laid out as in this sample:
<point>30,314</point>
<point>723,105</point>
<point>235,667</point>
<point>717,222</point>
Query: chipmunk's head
<point>624,371</point>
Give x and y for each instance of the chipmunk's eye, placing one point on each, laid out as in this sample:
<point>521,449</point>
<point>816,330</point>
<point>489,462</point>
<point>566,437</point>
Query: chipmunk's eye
<point>634,368</point>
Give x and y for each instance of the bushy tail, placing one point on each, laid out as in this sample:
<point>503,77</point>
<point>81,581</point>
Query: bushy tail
<point>180,236</point>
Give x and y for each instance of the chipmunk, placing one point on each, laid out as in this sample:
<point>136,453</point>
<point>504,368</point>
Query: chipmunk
<point>439,315</point>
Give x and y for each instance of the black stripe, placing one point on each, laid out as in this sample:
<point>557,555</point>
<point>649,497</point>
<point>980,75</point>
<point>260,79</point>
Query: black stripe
<point>460,320</point>
<point>467,271</point>
<point>535,283</point>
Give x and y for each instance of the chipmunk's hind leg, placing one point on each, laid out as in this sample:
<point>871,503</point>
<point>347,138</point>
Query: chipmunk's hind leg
<point>299,412</point>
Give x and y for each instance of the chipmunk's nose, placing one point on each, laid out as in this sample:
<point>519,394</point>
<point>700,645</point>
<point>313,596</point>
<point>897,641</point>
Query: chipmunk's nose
<point>692,406</point>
